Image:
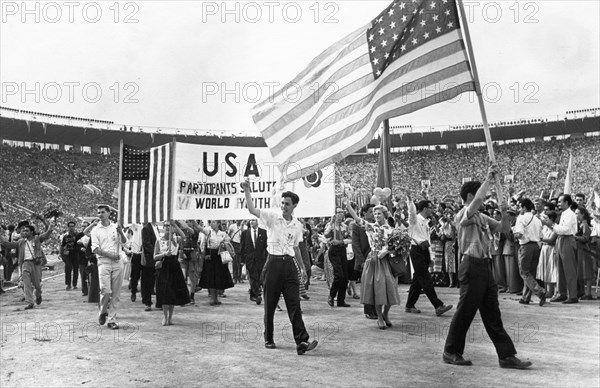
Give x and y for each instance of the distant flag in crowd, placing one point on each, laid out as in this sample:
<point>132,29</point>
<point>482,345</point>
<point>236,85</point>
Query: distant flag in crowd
<point>409,57</point>
<point>569,176</point>
<point>145,192</point>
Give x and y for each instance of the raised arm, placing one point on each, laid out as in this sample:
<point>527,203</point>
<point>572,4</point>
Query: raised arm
<point>250,205</point>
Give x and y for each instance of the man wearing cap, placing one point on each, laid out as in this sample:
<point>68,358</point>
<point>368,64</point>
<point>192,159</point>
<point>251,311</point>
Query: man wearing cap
<point>69,254</point>
<point>107,239</point>
<point>284,232</point>
<point>28,248</point>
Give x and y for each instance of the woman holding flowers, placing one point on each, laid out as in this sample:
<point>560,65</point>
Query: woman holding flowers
<point>378,286</point>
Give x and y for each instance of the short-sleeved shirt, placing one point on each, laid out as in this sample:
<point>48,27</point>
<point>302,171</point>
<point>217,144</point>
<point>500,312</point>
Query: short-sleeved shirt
<point>214,238</point>
<point>105,238</point>
<point>282,236</point>
<point>474,233</point>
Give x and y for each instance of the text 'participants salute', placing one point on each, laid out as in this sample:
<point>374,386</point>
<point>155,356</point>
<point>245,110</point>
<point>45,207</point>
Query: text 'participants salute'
<point>284,232</point>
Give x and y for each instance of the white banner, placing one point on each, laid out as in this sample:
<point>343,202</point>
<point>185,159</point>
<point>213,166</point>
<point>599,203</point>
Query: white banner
<point>207,184</point>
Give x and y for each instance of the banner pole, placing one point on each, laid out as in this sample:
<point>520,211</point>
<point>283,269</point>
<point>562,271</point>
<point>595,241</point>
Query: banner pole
<point>486,129</point>
<point>121,216</point>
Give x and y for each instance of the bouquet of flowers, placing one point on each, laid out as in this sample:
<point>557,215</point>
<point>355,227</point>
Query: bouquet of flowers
<point>398,242</point>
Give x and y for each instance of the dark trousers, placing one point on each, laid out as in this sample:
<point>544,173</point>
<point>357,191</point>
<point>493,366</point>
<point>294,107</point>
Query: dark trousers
<point>478,291</point>
<point>147,282</point>
<point>254,268</point>
<point>83,277</point>
<point>136,272</point>
<point>339,262</point>
<point>529,257</point>
<point>9,267</point>
<point>281,276</point>
<point>71,269</point>
<point>236,264</point>
<point>421,278</point>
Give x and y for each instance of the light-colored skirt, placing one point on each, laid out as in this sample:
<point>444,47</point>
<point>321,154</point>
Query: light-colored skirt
<point>547,270</point>
<point>378,286</point>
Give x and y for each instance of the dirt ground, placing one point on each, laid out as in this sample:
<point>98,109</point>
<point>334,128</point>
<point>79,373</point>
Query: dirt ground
<point>60,344</point>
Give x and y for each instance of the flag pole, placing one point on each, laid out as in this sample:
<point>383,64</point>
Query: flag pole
<point>120,218</point>
<point>486,129</point>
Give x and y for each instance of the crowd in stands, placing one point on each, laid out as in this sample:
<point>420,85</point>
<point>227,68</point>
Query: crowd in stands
<point>530,164</point>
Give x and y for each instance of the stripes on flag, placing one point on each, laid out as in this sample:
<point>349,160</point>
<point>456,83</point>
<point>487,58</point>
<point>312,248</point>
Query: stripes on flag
<point>146,193</point>
<point>411,56</point>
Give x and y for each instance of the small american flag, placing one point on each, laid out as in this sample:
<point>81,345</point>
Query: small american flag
<point>145,193</point>
<point>410,56</point>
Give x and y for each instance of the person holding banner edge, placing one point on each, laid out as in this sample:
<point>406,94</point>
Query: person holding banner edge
<point>284,233</point>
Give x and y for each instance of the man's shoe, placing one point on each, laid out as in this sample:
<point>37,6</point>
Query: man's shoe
<point>442,309</point>
<point>412,310</point>
<point>343,304</point>
<point>330,301</point>
<point>305,297</point>
<point>371,316</point>
<point>304,347</point>
<point>29,306</point>
<point>514,363</point>
<point>587,297</point>
<point>133,297</point>
<point>522,301</point>
<point>148,308</point>
<point>74,287</point>
<point>84,294</point>
<point>102,318</point>
<point>571,301</point>
<point>259,299</point>
<point>542,299</point>
<point>455,359</point>
<point>68,288</point>
<point>38,300</point>
<point>558,298</point>
<point>252,299</point>
<point>270,345</point>
<point>113,326</point>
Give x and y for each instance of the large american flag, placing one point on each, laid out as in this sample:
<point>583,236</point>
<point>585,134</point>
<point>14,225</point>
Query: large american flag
<point>410,56</point>
<point>146,193</point>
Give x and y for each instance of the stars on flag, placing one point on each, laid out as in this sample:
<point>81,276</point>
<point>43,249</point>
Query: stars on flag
<point>403,26</point>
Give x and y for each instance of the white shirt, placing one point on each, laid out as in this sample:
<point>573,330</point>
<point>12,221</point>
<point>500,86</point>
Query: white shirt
<point>567,225</point>
<point>135,241</point>
<point>418,226</point>
<point>530,227</point>
<point>235,233</point>
<point>214,238</point>
<point>595,228</point>
<point>106,238</point>
<point>282,236</point>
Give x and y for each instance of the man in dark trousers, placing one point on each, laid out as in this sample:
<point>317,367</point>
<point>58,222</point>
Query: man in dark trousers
<point>69,252</point>
<point>418,230</point>
<point>478,289</point>
<point>284,232</point>
<point>362,248</point>
<point>254,254</point>
<point>149,235</point>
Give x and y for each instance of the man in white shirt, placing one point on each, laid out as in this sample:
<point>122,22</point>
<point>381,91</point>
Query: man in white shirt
<point>106,244</point>
<point>418,230</point>
<point>284,232</point>
<point>528,230</point>
<point>235,233</point>
<point>566,250</point>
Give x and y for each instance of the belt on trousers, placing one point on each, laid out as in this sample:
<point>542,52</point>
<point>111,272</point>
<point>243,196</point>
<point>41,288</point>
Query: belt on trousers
<point>481,259</point>
<point>283,257</point>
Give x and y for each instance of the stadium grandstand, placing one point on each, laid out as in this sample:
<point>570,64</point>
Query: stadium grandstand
<point>71,163</point>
